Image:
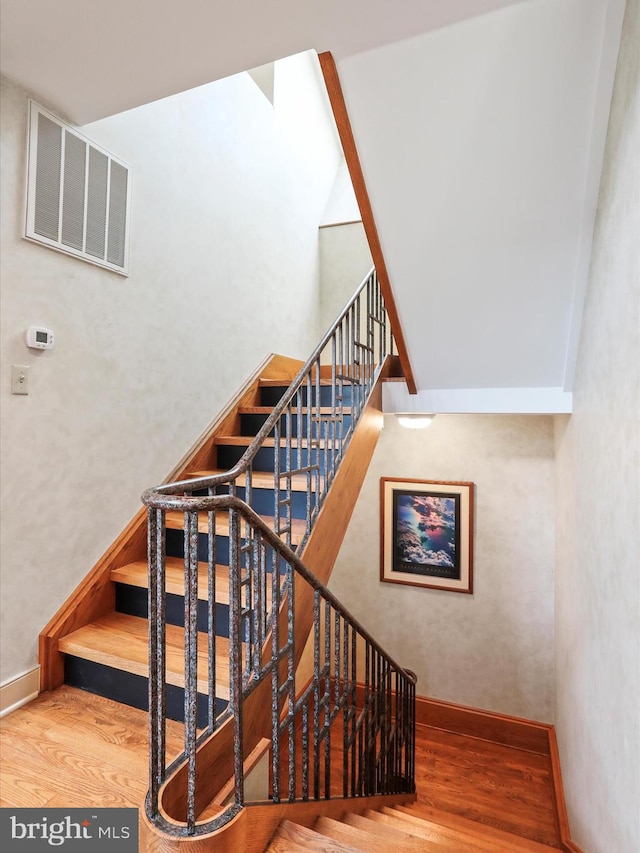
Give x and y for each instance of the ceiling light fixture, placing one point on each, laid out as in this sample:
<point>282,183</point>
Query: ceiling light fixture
<point>414,420</point>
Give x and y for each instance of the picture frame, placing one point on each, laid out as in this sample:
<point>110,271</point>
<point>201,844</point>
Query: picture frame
<point>427,533</point>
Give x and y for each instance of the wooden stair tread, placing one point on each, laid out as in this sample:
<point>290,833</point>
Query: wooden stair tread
<point>361,836</point>
<point>400,828</point>
<point>295,410</point>
<point>409,840</point>
<point>284,845</point>
<point>262,479</point>
<point>175,521</point>
<point>245,441</point>
<point>282,383</point>
<point>121,641</point>
<point>293,837</point>
<point>429,831</point>
<point>137,574</point>
<point>498,839</point>
<point>478,837</point>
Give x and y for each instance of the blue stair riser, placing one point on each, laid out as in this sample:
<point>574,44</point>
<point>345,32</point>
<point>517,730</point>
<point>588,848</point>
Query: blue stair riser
<point>134,601</point>
<point>175,548</point>
<point>229,454</point>
<point>251,425</point>
<point>130,689</point>
<point>263,501</point>
<point>270,395</point>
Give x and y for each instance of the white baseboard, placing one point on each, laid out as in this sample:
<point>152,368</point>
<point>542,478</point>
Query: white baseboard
<point>20,690</point>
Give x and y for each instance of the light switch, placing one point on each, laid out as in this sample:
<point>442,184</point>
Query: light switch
<point>19,379</point>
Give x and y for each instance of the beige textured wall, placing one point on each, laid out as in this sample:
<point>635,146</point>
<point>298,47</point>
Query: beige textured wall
<point>345,259</point>
<point>492,649</point>
<point>228,192</point>
<point>598,563</point>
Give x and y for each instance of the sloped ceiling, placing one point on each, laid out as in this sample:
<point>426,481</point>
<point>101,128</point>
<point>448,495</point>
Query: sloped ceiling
<point>96,59</point>
<point>480,125</point>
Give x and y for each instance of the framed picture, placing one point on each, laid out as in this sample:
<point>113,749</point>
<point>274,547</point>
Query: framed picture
<point>427,533</point>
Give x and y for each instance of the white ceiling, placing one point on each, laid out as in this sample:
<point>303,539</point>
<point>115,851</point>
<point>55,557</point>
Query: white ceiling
<point>96,59</point>
<point>482,147</point>
<point>480,125</point>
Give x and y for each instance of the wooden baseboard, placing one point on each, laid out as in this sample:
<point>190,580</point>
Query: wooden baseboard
<point>18,691</point>
<point>486,725</point>
<point>562,817</point>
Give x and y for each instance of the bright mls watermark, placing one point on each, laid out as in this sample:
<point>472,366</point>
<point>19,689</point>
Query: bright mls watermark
<point>81,830</point>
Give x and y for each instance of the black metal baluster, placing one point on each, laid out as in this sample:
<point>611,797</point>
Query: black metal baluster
<point>157,653</point>
<point>211,615</point>
<point>305,750</point>
<point>191,658</point>
<point>316,694</point>
<point>291,683</point>
<point>354,706</point>
<point>275,687</point>
<point>344,694</point>
<point>235,652</point>
<point>327,700</point>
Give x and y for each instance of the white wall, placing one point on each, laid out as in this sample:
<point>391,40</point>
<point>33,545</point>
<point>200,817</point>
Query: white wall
<point>492,649</point>
<point>345,259</point>
<point>228,193</point>
<point>480,143</point>
<point>598,562</point>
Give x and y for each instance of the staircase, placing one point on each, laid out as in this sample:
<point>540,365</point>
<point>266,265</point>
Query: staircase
<point>406,829</point>
<point>109,656</point>
<point>224,629</point>
<point>211,610</point>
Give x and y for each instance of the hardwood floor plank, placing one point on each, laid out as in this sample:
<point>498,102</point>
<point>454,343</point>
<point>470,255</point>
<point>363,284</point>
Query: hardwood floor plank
<point>86,750</point>
<point>128,761</point>
<point>70,769</point>
<point>19,790</point>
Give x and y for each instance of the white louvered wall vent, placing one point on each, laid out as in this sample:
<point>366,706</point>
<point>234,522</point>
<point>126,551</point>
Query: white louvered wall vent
<point>78,195</point>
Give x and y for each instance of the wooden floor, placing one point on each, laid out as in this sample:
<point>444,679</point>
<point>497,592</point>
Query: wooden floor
<point>73,749</point>
<point>506,788</point>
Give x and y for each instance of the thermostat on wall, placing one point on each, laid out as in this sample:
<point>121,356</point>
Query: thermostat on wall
<point>39,338</point>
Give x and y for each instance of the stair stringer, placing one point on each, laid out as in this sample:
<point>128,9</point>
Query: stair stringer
<point>252,829</point>
<point>215,757</point>
<point>94,597</point>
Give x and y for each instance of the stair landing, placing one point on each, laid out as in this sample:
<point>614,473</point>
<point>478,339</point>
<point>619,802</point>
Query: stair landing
<point>69,746</point>
<point>472,795</point>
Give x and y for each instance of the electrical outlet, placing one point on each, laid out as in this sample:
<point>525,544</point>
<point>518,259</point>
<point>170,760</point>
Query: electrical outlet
<point>19,379</point>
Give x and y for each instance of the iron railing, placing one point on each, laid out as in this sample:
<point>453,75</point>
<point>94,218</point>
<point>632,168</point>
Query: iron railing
<point>359,703</point>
